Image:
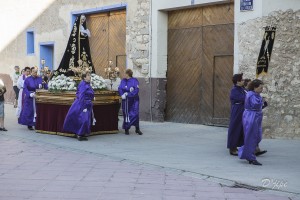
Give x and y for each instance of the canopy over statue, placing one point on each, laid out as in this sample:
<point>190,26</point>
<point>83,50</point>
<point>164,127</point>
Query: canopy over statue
<point>77,57</point>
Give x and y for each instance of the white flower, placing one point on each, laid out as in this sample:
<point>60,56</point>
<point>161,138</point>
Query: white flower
<point>96,82</point>
<point>61,82</point>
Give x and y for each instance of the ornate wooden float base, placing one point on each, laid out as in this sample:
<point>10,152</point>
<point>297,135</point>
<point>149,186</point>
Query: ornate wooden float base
<point>52,108</point>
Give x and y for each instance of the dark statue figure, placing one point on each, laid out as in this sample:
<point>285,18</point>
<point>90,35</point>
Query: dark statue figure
<point>77,57</point>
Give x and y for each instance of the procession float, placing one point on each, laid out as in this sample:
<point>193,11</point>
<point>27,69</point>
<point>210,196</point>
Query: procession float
<point>52,105</point>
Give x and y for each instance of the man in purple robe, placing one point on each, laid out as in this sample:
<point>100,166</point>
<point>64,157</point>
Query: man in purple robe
<point>79,117</point>
<point>28,113</point>
<point>235,131</point>
<point>129,91</point>
<point>252,122</point>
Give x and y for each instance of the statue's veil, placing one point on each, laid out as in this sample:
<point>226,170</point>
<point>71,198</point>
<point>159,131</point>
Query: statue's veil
<point>77,53</point>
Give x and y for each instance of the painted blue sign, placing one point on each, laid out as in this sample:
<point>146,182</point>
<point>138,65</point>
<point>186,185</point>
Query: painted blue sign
<point>246,5</point>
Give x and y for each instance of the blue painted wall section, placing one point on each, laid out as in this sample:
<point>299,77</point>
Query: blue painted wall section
<point>30,42</point>
<point>47,53</point>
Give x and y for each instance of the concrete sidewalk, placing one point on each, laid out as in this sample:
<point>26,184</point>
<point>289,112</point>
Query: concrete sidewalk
<point>195,150</point>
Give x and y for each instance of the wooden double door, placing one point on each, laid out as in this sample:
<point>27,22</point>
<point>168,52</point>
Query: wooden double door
<point>108,40</point>
<point>200,65</point>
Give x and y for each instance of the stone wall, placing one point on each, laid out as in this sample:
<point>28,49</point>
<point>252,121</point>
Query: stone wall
<point>138,39</point>
<point>282,84</point>
<point>152,89</point>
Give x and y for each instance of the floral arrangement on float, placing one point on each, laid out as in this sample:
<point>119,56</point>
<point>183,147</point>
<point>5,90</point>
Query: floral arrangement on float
<point>64,83</point>
<point>98,82</point>
<point>61,82</point>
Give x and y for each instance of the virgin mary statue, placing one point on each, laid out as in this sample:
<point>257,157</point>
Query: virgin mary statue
<point>77,57</point>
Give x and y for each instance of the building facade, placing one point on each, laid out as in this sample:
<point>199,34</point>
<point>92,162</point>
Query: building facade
<point>183,52</point>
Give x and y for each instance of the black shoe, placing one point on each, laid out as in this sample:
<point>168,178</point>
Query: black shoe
<point>254,162</point>
<point>85,138</point>
<point>233,152</point>
<point>81,138</point>
<point>126,132</point>
<point>261,152</point>
<point>3,129</point>
<point>138,131</point>
<point>30,128</point>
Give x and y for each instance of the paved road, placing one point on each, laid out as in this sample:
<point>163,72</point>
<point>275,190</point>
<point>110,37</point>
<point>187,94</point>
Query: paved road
<point>170,161</point>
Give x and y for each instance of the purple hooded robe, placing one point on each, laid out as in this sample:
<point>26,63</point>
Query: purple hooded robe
<point>235,130</point>
<point>130,105</point>
<point>27,115</point>
<point>77,121</point>
<point>252,122</point>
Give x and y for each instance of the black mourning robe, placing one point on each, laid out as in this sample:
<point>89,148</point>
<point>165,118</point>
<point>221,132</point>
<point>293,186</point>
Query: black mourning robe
<point>77,53</point>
